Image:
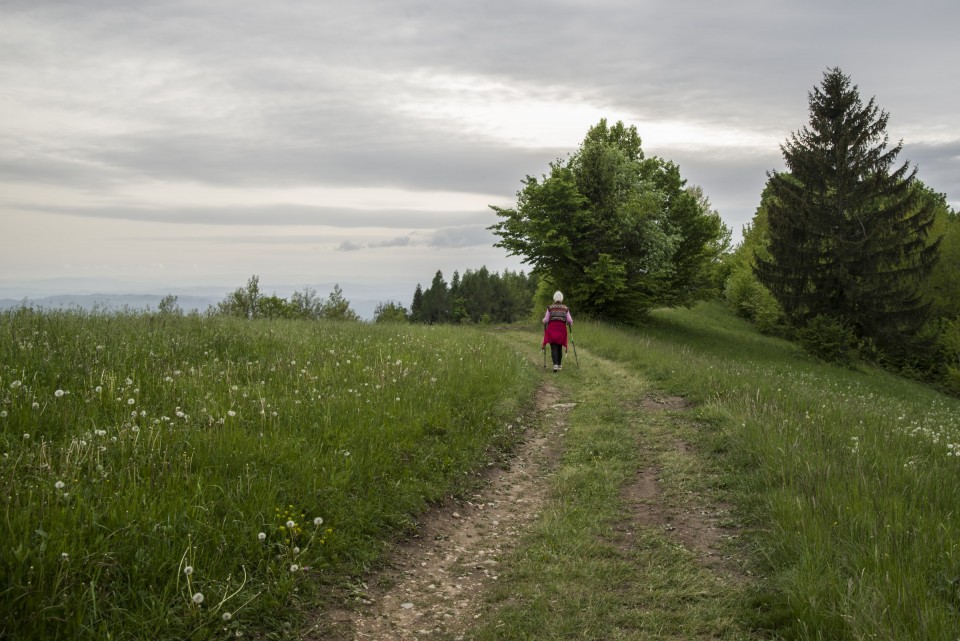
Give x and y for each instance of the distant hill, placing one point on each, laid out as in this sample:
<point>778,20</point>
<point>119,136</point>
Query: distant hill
<point>119,302</point>
<point>109,302</point>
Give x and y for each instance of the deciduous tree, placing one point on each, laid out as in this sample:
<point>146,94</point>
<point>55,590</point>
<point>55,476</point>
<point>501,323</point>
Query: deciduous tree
<point>617,232</point>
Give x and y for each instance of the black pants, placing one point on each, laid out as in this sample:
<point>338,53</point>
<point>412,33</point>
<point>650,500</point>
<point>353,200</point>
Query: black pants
<point>556,353</point>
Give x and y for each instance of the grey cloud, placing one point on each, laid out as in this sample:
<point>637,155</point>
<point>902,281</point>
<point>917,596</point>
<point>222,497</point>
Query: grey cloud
<point>399,241</point>
<point>298,108</point>
<point>461,236</point>
<point>349,246</point>
<point>429,163</point>
<point>938,166</point>
<point>274,215</point>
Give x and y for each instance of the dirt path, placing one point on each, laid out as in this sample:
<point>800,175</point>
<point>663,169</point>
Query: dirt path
<point>435,580</point>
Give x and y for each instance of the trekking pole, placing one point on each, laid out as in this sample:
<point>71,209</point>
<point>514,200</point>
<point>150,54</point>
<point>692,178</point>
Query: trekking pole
<point>575,357</point>
<point>544,351</point>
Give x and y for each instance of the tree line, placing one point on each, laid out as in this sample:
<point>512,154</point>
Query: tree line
<point>250,302</point>
<point>478,296</point>
<point>849,252</point>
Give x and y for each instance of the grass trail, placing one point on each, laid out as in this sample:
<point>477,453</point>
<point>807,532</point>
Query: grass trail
<point>633,542</point>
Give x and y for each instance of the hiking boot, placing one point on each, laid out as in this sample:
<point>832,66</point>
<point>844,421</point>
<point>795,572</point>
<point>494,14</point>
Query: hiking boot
<point>556,368</point>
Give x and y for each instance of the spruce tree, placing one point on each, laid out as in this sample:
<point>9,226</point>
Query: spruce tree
<point>848,231</point>
<point>416,307</point>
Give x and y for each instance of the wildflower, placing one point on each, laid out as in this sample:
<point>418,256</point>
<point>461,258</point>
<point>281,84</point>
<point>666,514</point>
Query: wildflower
<point>262,536</point>
<point>97,389</point>
<point>36,405</point>
<point>130,401</point>
<point>226,616</point>
<point>59,485</point>
<point>318,521</point>
<point>231,413</point>
<point>26,436</point>
<point>64,556</point>
<point>198,598</point>
<point>188,570</point>
<point>296,550</point>
<point>291,524</point>
<point>294,567</point>
<point>58,393</point>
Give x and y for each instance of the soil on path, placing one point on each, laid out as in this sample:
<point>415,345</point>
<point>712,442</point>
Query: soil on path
<point>435,579</point>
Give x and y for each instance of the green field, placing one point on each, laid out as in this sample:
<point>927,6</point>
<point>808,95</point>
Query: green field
<point>136,446</point>
<point>849,478</point>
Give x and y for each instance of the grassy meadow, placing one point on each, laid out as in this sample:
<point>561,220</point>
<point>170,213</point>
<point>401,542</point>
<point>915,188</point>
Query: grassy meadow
<point>146,460</point>
<point>172,477</point>
<point>847,480</point>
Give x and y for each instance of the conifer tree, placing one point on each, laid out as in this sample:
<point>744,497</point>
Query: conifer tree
<point>416,307</point>
<point>848,231</point>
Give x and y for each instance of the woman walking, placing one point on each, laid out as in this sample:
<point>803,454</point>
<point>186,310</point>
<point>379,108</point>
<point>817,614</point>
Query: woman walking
<point>556,321</point>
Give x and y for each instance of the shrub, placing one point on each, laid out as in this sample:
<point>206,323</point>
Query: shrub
<point>828,338</point>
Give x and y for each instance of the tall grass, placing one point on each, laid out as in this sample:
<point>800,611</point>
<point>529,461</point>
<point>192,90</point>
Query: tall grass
<point>191,478</point>
<point>850,477</point>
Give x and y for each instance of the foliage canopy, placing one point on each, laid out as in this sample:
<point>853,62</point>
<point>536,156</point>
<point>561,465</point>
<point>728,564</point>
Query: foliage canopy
<point>617,232</point>
<point>847,230</point>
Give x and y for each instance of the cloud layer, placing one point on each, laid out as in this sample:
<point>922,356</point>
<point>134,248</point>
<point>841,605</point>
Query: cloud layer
<point>273,123</point>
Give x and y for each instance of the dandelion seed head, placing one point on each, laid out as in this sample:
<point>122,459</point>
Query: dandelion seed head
<point>227,616</point>
<point>291,524</point>
<point>318,521</point>
<point>294,567</point>
<point>59,485</point>
<point>198,598</point>
<point>58,393</point>
<point>188,570</point>
<point>262,536</point>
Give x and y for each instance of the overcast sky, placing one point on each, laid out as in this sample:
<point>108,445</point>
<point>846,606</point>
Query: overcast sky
<point>170,144</point>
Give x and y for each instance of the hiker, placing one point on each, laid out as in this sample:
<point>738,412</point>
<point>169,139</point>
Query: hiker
<point>556,321</point>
